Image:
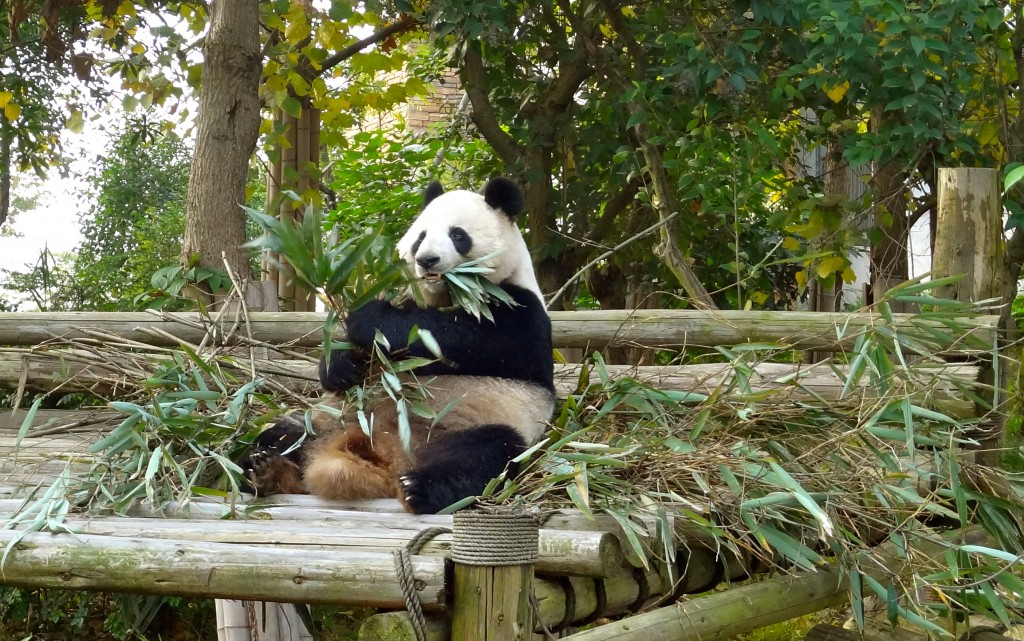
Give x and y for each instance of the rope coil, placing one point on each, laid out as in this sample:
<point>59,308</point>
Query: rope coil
<point>494,538</point>
<point>407,581</point>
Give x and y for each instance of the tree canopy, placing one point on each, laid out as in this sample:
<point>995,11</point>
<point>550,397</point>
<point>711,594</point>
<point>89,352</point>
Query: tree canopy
<point>671,147</point>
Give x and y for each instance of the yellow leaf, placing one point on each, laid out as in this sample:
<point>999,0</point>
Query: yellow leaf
<point>138,48</point>
<point>828,266</point>
<point>76,123</point>
<point>5,97</point>
<point>607,30</point>
<point>276,83</point>
<point>126,8</point>
<point>749,305</point>
<point>790,243</point>
<point>989,133</point>
<point>299,84</point>
<point>12,111</point>
<point>837,92</point>
<point>801,279</point>
<point>628,12</point>
<point>848,275</point>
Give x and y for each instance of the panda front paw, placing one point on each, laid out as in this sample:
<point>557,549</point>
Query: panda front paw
<point>347,368</point>
<point>362,323</point>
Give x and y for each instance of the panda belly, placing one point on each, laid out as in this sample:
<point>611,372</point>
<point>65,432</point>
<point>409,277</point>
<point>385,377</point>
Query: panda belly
<point>479,400</point>
<point>488,423</point>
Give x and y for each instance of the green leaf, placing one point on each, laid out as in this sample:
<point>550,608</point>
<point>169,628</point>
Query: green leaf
<point>1013,177</point>
<point>292,106</point>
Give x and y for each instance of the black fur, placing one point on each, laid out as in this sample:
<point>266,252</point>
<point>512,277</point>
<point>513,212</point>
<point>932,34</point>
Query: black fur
<point>459,464</point>
<point>503,194</point>
<point>461,240</point>
<point>516,345</point>
<point>278,445</point>
<point>434,189</point>
<point>347,368</point>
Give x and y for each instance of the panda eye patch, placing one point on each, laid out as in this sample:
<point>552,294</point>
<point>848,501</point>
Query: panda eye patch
<point>460,240</point>
<point>415,246</point>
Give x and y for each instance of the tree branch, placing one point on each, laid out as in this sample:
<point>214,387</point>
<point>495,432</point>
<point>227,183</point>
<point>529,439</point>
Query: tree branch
<point>616,203</point>
<point>474,82</point>
<point>572,71</point>
<point>407,22</point>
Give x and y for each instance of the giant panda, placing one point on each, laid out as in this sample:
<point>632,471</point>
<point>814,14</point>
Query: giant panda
<point>496,374</point>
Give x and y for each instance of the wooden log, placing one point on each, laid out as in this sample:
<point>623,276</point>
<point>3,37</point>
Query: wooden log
<point>772,382</point>
<point>969,240</point>
<point>969,234</point>
<point>755,605</point>
<point>620,593</point>
<point>491,587</point>
<point>593,329</point>
<point>151,566</point>
<point>727,614</point>
<point>561,552</point>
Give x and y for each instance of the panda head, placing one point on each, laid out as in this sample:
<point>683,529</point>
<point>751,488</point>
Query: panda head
<point>459,226</point>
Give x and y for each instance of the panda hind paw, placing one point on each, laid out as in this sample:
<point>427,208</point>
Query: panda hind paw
<point>271,473</point>
<point>421,495</point>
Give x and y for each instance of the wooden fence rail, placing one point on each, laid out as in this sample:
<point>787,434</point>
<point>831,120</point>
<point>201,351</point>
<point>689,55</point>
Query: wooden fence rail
<point>658,328</point>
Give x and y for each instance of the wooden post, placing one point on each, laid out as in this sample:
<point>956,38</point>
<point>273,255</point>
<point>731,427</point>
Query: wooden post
<point>493,554</point>
<point>969,233</point>
<point>969,240</point>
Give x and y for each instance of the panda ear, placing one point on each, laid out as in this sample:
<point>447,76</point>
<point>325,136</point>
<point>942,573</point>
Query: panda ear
<point>503,194</point>
<point>434,189</point>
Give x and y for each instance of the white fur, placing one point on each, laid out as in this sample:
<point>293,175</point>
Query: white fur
<point>491,230</point>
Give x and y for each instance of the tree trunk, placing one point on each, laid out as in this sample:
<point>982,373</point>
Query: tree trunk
<point>227,126</point>
<point>890,265</point>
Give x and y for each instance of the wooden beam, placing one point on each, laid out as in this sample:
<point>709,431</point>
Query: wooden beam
<point>153,566</point>
<point>662,328</point>
<point>772,382</point>
<point>561,552</point>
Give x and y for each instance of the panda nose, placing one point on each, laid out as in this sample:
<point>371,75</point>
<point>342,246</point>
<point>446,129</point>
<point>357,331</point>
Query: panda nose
<point>426,262</point>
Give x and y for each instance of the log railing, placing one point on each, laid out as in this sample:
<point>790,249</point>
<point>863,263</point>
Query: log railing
<point>657,328</point>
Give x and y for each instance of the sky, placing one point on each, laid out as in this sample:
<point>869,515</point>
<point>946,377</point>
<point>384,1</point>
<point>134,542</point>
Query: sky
<point>53,224</point>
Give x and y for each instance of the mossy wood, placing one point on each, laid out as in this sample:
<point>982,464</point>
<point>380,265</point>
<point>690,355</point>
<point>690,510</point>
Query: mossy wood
<point>739,610</point>
<point>154,566</point>
<point>585,329</point>
<point>562,552</point>
<point>620,593</point>
<point>826,632</point>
